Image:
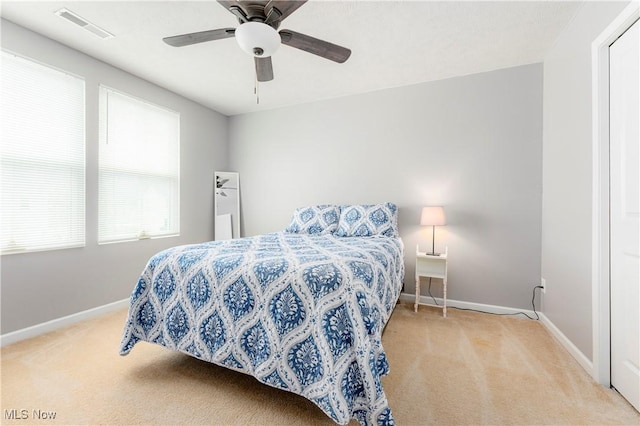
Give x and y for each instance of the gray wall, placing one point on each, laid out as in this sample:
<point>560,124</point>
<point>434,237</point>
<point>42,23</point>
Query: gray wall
<point>472,144</point>
<point>567,174</point>
<point>38,287</point>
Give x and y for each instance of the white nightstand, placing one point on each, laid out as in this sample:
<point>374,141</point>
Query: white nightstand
<point>431,267</point>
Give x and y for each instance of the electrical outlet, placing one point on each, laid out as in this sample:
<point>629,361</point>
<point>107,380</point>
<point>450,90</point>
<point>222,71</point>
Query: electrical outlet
<point>543,283</point>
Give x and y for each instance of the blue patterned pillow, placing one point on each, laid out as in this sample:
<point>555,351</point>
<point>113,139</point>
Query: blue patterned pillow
<point>366,220</point>
<point>322,219</point>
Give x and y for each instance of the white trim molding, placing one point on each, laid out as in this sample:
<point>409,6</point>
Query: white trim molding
<point>600,370</point>
<point>567,344</point>
<point>46,327</point>
<point>492,309</point>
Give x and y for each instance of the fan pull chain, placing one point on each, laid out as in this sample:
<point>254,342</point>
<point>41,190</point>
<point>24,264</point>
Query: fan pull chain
<point>256,90</point>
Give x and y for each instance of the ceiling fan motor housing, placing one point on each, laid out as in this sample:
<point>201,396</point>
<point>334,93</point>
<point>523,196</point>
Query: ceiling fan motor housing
<point>257,39</point>
<point>257,34</point>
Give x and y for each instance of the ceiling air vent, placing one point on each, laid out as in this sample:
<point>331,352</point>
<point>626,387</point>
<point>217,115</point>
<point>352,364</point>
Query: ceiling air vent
<point>80,21</point>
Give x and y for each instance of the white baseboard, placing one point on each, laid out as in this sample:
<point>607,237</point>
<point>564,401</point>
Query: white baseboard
<point>493,309</point>
<point>36,330</point>
<point>585,362</point>
<point>555,331</point>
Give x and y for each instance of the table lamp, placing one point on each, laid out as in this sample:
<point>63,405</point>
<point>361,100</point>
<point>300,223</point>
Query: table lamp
<point>432,216</point>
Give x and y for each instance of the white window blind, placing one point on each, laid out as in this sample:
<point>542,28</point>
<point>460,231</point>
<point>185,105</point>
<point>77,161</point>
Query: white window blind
<point>42,153</point>
<point>139,169</point>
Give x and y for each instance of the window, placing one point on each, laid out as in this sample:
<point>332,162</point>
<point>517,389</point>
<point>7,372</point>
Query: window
<point>42,201</point>
<point>139,169</point>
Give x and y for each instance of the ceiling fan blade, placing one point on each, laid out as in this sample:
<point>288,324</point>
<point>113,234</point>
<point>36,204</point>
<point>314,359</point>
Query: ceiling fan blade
<point>236,9</point>
<point>228,3</point>
<point>316,46</point>
<point>264,68</point>
<point>283,8</point>
<point>202,36</point>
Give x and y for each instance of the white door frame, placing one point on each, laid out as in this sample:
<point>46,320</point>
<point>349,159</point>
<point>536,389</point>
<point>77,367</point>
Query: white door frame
<point>600,191</point>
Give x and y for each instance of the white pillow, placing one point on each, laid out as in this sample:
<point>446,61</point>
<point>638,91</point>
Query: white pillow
<point>317,220</point>
<point>366,220</point>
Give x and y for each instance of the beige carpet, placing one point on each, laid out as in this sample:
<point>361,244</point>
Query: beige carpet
<point>470,368</point>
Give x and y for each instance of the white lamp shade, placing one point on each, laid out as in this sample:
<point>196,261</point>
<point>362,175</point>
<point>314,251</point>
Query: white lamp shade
<point>257,39</point>
<point>432,216</point>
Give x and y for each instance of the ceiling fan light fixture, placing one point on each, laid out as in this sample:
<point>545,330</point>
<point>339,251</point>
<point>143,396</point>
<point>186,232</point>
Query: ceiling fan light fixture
<point>257,39</point>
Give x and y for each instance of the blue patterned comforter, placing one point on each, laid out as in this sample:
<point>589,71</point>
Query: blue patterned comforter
<point>299,312</point>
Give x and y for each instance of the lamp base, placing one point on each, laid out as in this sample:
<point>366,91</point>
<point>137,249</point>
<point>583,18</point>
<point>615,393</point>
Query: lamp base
<point>433,242</point>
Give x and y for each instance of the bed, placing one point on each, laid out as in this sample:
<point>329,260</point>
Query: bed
<point>301,310</point>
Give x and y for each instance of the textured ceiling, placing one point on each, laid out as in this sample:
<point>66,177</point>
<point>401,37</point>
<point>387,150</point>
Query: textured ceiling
<point>394,43</point>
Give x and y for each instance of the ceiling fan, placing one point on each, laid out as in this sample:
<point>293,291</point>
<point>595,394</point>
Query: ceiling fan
<point>257,34</point>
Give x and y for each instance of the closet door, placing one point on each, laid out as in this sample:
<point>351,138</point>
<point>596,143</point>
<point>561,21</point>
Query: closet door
<point>624,60</point>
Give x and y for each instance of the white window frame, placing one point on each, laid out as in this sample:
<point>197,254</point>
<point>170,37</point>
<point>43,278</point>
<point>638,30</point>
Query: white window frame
<point>54,218</point>
<point>127,215</point>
